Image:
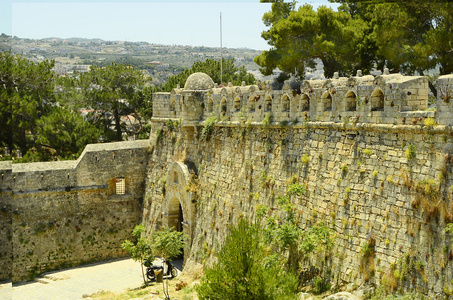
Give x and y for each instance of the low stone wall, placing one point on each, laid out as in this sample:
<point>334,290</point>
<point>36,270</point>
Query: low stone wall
<point>69,213</point>
<point>6,250</point>
<point>388,183</point>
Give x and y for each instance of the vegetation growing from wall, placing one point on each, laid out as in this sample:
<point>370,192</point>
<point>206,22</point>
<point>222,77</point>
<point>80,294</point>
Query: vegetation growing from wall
<point>208,127</point>
<point>289,243</point>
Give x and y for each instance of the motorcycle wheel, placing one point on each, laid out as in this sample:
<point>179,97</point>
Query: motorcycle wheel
<point>174,272</point>
<point>150,274</point>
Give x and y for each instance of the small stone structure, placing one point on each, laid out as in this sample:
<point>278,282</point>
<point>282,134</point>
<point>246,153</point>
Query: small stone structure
<point>66,213</point>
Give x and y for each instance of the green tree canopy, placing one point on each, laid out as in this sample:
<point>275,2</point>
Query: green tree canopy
<point>405,36</point>
<point>39,112</point>
<point>139,249</point>
<point>113,92</point>
<point>299,37</point>
<point>411,37</point>
<point>66,132</point>
<point>26,93</point>
<point>168,243</point>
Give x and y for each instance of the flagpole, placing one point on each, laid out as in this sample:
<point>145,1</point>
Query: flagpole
<point>221,54</point>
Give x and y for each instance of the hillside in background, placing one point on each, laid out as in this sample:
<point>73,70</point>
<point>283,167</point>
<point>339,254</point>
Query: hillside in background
<point>160,61</point>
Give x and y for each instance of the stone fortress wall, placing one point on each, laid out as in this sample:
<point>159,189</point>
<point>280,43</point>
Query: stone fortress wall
<point>378,169</point>
<point>67,213</point>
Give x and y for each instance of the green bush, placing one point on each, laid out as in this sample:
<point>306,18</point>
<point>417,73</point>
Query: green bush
<point>243,270</point>
<point>320,285</point>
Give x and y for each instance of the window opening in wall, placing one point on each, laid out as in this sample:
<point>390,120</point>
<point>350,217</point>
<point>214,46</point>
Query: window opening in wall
<point>252,104</point>
<point>237,105</point>
<point>223,106</point>
<point>377,101</point>
<point>285,102</point>
<point>305,103</point>
<point>327,102</point>
<point>120,186</point>
<point>175,177</point>
<point>268,104</point>
<point>172,104</point>
<point>210,105</point>
<point>351,103</point>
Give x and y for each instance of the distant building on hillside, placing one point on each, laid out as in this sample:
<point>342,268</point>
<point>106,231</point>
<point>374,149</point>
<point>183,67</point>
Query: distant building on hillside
<point>69,70</point>
<point>158,65</point>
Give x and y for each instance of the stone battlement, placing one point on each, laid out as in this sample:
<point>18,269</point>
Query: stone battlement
<point>384,99</point>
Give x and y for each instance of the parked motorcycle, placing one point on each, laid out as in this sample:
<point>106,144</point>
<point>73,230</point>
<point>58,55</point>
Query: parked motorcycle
<point>152,270</point>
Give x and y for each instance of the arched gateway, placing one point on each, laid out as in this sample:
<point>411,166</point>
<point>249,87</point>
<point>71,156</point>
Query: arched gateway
<point>179,206</point>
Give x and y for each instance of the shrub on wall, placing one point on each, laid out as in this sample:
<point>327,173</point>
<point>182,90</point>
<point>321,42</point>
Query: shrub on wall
<point>208,127</point>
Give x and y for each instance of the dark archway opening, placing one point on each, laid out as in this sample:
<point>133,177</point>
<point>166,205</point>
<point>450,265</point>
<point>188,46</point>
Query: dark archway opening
<point>176,220</point>
<point>180,228</point>
<point>180,219</point>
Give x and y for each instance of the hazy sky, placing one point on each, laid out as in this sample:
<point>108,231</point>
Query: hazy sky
<point>169,22</point>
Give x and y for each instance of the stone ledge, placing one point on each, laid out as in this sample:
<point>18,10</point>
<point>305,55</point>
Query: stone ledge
<point>120,198</point>
<point>6,165</point>
<point>390,128</point>
<point>417,114</point>
<point>67,189</point>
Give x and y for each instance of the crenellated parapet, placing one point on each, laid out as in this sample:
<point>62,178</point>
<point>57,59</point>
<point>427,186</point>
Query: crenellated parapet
<point>444,99</point>
<point>383,99</point>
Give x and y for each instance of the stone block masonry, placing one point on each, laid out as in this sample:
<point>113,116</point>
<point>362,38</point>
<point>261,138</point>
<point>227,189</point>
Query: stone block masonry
<point>375,161</point>
<point>362,181</point>
<point>377,166</point>
<point>68,213</point>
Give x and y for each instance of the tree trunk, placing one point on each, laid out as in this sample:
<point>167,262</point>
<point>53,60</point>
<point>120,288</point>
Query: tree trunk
<point>143,273</point>
<point>432,88</point>
<point>431,85</point>
<point>119,136</point>
<point>328,68</point>
<point>165,290</point>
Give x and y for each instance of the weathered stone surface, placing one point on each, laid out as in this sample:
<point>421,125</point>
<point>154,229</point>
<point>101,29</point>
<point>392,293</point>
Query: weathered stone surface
<point>67,213</point>
<point>202,183</point>
<point>342,296</point>
<point>199,82</point>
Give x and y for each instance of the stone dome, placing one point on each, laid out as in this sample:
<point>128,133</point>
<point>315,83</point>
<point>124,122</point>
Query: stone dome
<point>199,81</point>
